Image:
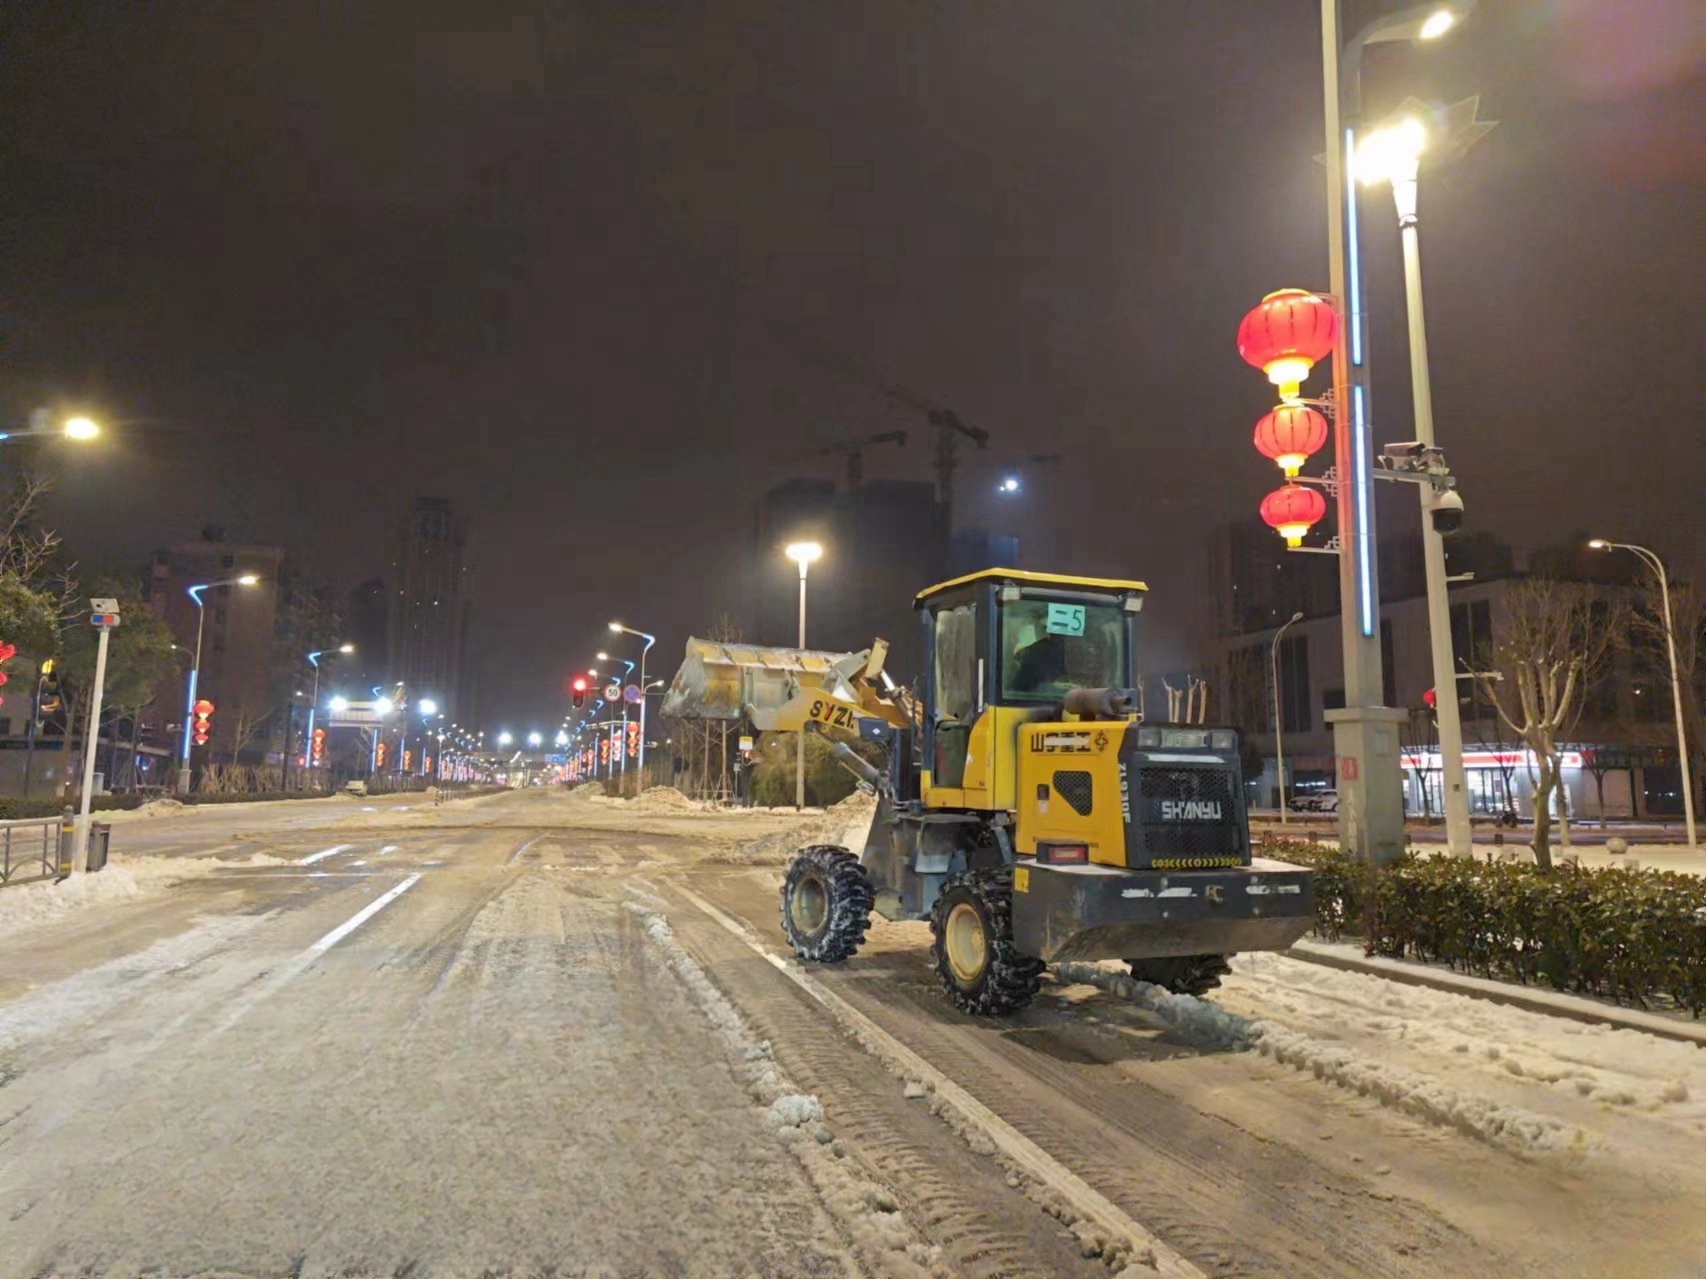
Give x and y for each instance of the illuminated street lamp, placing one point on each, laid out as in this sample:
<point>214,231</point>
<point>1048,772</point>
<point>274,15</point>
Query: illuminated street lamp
<point>1393,154</point>
<point>314,700</point>
<point>41,423</point>
<point>194,592</point>
<point>1658,566</point>
<point>618,629</point>
<point>804,554</point>
<point>534,739</point>
<point>504,739</point>
<point>1371,820</point>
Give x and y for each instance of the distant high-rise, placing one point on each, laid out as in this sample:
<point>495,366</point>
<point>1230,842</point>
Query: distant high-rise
<point>367,626</point>
<point>429,603</point>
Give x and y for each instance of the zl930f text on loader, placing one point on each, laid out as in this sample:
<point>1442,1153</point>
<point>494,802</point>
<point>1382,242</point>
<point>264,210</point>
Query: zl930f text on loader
<point>1026,810</point>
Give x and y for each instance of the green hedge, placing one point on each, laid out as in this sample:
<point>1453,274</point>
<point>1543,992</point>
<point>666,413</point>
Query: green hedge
<point>1627,935</point>
<point>13,809</point>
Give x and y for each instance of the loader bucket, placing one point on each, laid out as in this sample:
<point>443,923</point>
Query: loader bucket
<point>731,681</point>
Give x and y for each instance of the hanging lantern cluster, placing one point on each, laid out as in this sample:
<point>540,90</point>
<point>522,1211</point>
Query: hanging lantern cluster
<point>1292,511</point>
<point>1289,434</point>
<point>7,653</point>
<point>201,725</point>
<point>1287,334</point>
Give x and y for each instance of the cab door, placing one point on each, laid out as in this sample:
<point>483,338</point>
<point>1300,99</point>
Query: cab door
<point>955,700</point>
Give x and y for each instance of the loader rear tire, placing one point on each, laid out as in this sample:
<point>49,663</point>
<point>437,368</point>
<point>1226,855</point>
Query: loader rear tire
<point>1182,974</point>
<point>826,903</point>
<point>981,968</point>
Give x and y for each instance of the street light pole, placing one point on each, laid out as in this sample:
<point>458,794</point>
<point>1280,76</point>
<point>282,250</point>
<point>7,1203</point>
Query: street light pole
<point>803,554</point>
<point>645,649</point>
<point>194,592</point>
<point>1658,566</point>
<point>1279,715</point>
<point>1394,155</point>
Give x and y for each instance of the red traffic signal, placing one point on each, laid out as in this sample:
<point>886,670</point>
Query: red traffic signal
<point>577,690</point>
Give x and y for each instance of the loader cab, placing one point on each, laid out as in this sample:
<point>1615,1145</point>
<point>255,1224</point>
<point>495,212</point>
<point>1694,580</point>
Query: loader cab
<point>1003,646</point>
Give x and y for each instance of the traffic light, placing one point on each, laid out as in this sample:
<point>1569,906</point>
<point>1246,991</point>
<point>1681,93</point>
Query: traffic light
<point>201,725</point>
<point>578,690</point>
<point>48,700</point>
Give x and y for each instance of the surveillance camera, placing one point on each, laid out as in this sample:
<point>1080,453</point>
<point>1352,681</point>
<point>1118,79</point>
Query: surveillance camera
<point>1446,512</point>
<point>1404,450</point>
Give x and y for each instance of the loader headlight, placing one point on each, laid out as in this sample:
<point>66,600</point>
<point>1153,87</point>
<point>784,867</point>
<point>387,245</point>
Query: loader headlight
<point>1184,738</point>
<point>1222,739</point>
<point>1149,737</point>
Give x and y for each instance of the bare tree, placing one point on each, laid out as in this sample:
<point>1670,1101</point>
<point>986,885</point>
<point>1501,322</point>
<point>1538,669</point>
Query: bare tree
<point>245,730</point>
<point>1553,645</point>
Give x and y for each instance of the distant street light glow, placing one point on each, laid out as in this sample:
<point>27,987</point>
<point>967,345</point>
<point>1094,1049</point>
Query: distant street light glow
<point>81,428</point>
<point>427,706</point>
<point>338,705</point>
<point>1009,485</point>
<point>1391,154</point>
<point>1438,23</point>
<point>803,553</point>
<point>504,739</point>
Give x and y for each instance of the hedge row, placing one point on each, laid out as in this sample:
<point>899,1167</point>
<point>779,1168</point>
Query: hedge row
<point>1631,936</point>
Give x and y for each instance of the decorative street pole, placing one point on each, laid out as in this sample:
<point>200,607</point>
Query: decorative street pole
<point>194,592</point>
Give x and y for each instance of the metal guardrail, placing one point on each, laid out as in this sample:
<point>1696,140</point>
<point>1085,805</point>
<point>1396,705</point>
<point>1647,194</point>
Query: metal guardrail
<point>29,848</point>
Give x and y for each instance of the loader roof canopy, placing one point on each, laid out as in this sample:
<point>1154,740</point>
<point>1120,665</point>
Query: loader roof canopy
<point>1026,576</point>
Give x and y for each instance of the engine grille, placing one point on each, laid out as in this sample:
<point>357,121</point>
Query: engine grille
<point>1076,788</point>
<point>1189,818</point>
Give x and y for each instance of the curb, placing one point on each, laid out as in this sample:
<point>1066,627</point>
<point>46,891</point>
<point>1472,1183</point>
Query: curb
<point>1548,1003</point>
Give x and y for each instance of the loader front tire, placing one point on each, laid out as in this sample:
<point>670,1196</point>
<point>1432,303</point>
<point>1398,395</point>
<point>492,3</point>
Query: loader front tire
<point>1182,974</point>
<point>980,967</point>
<point>826,904</point>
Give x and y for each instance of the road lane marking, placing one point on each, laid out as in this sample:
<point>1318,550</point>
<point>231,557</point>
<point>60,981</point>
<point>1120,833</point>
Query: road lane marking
<point>388,849</point>
<point>1107,1216</point>
<point>324,853</point>
<point>361,916</point>
<point>510,860</point>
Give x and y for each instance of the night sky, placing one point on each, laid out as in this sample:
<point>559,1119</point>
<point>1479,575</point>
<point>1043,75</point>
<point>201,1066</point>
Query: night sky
<point>571,265</point>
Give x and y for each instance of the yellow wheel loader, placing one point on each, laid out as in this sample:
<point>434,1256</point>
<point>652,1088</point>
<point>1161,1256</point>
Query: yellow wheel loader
<point>1027,809</point>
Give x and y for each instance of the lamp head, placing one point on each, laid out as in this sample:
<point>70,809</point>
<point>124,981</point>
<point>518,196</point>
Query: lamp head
<point>803,552</point>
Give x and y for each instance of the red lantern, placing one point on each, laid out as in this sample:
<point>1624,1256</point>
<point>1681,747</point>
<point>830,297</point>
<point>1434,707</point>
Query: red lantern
<point>1286,335</point>
<point>1291,511</point>
<point>204,707</point>
<point>1289,434</point>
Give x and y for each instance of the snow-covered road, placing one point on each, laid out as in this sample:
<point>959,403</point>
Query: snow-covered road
<point>545,1035</point>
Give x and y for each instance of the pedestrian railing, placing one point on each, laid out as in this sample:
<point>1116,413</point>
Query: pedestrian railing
<point>29,849</point>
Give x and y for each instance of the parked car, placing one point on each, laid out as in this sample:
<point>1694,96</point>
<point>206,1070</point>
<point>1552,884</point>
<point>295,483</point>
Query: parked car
<point>355,786</point>
<point>1320,801</point>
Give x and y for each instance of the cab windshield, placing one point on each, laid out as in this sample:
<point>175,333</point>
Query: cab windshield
<point>1050,647</point>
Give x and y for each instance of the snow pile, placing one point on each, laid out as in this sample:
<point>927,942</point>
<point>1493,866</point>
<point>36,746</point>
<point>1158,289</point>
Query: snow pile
<point>28,905</point>
<point>1418,1095</point>
<point>845,824</point>
<point>664,799</point>
<point>867,1211</point>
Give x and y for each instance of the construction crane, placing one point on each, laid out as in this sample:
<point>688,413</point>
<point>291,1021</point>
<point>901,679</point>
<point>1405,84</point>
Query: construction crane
<point>950,426</point>
<point>854,451</point>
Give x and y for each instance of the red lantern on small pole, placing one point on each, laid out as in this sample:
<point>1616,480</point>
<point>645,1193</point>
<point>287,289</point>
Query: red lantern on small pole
<point>1292,510</point>
<point>1289,434</point>
<point>1286,335</point>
